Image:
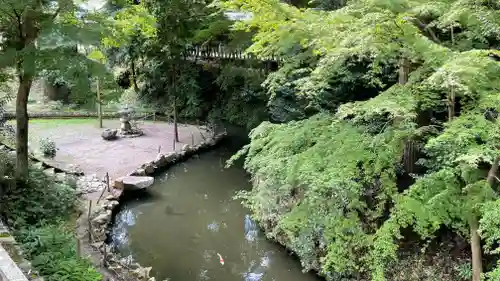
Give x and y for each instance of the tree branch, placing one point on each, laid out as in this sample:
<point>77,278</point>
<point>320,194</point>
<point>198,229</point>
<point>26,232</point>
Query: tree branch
<point>425,27</point>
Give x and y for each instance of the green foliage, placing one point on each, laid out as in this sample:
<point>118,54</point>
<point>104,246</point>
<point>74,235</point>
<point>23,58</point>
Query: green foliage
<point>52,250</point>
<point>38,200</point>
<point>36,208</point>
<point>337,188</point>
<point>48,147</point>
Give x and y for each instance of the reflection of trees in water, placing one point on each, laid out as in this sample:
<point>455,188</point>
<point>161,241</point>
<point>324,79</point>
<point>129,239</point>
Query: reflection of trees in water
<point>257,265</point>
<point>119,234</point>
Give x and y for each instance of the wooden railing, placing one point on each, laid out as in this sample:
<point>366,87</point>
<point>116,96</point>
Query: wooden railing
<point>222,52</point>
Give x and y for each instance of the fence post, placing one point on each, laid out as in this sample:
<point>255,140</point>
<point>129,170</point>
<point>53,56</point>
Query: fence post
<point>192,139</point>
<point>173,141</point>
<point>90,224</point>
<point>159,149</point>
<point>107,182</point>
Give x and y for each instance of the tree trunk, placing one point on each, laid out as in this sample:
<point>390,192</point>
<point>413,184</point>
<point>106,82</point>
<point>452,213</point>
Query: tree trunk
<point>475,245</point>
<point>22,127</point>
<point>134,76</point>
<point>404,70</point>
<point>176,130</point>
<point>451,104</point>
<point>99,103</point>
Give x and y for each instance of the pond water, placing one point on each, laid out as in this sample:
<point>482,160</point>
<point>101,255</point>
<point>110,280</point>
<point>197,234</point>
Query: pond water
<point>189,218</point>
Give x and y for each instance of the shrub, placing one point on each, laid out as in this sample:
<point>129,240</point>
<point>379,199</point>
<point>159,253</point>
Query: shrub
<point>48,147</point>
<point>36,200</point>
<point>52,250</point>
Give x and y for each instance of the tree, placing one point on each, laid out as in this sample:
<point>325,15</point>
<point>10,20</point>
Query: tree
<point>429,83</point>
<point>39,37</point>
<point>178,22</point>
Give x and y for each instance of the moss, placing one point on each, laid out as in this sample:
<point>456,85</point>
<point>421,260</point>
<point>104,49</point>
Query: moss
<point>4,234</point>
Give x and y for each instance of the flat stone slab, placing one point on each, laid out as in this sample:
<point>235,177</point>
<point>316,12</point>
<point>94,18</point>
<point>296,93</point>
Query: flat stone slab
<point>133,182</point>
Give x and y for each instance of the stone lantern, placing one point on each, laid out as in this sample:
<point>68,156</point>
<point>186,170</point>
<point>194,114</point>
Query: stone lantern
<point>125,116</point>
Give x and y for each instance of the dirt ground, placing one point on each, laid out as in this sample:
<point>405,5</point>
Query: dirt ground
<point>80,144</point>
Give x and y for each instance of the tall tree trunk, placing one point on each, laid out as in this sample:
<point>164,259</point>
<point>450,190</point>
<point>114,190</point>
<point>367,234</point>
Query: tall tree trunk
<point>134,76</point>
<point>99,103</point>
<point>451,104</point>
<point>404,70</point>
<point>475,245</point>
<point>176,130</point>
<point>174,92</point>
<point>23,92</point>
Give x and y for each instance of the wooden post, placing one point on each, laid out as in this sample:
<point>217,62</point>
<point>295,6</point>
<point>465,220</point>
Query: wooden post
<point>90,224</point>
<point>107,182</point>
<point>104,256</point>
<point>78,248</point>
<point>159,149</point>
<point>154,117</point>
<point>192,139</point>
<point>173,145</point>
<point>102,193</point>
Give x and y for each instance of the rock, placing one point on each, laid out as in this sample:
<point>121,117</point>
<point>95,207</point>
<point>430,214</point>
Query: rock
<point>38,165</point>
<point>149,168</point>
<point>111,197</point>
<point>110,205</point>
<point>160,160</point>
<point>50,172</point>
<point>102,218</point>
<point>143,273</point>
<point>61,177</point>
<point>186,148</point>
<point>97,245</point>
<point>133,182</point>
<point>109,134</point>
<point>170,157</point>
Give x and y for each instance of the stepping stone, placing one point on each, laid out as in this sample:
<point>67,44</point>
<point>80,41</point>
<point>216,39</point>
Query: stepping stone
<point>130,183</point>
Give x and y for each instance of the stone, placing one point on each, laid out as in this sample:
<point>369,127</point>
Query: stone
<point>109,134</point>
<point>61,177</point>
<point>102,218</point>
<point>149,168</point>
<point>111,197</point>
<point>49,172</point>
<point>170,157</point>
<point>143,272</point>
<point>160,160</point>
<point>140,172</point>
<point>131,183</point>
<point>110,205</point>
<point>186,148</point>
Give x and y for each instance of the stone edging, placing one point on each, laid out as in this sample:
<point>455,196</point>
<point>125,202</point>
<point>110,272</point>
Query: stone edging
<point>102,216</point>
<point>13,266</point>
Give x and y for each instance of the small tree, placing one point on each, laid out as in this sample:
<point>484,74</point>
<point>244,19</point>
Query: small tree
<point>39,37</point>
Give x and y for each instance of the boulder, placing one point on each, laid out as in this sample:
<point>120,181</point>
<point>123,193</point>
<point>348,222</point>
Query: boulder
<point>109,134</point>
<point>187,148</point>
<point>102,218</point>
<point>160,160</point>
<point>133,182</point>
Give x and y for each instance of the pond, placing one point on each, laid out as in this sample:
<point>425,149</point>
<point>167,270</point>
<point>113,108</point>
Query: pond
<point>189,218</point>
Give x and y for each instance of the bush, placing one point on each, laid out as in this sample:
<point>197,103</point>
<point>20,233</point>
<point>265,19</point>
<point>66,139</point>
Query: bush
<point>35,209</point>
<point>52,250</point>
<point>48,147</point>
<point>38,199</point>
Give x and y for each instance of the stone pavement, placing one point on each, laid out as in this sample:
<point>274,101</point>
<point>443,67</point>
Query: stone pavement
<point>9,271</point>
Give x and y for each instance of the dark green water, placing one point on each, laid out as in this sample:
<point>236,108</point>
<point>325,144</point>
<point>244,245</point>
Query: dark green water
<point>189,217</point>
